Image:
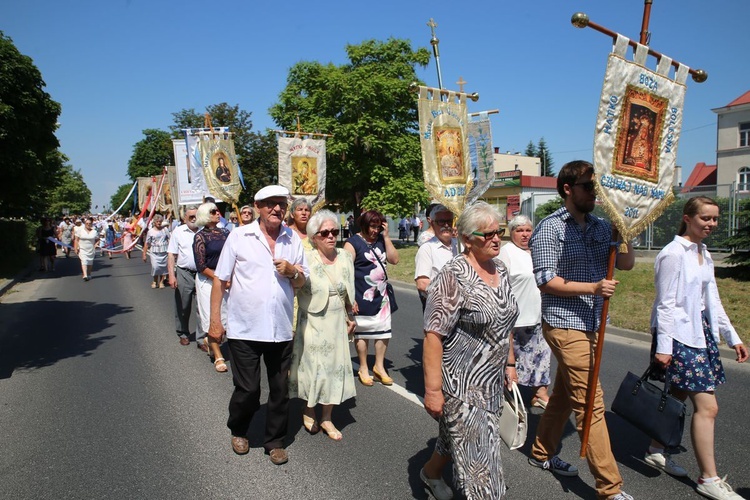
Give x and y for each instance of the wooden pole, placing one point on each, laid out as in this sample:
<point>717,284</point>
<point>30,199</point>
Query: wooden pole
<point>645,35</point>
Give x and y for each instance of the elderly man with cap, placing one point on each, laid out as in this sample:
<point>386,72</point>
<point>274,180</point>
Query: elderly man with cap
<point>264,261</point>
<point>181,268</point>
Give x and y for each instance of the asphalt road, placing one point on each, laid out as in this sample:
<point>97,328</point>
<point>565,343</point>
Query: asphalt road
<point>99,400</point>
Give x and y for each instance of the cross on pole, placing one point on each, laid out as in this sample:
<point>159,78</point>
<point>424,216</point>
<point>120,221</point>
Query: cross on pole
<point>461,83</point>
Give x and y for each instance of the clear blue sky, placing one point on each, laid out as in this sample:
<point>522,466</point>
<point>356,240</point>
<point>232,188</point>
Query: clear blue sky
<point>121,66</point>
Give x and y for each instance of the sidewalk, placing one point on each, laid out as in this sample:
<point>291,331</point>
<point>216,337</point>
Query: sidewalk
<point>8,283</point>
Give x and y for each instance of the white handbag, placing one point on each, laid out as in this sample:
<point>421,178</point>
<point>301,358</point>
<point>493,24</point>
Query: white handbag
<point>513,421</point>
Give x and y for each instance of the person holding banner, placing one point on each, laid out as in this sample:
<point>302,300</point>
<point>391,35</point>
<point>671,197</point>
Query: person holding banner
<point>569,249</point>
<point>467,323</point>
<point>372,250</point>
<point>687,319</point>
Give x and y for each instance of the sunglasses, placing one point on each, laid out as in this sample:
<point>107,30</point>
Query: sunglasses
<point>213,211</point>
<point>443,222</point>
<point>587,186</point>
<point>246,212</point>
<point>325,232</point>
<point>272,204</point>
<point>488,236</point>
<point>191,217</point>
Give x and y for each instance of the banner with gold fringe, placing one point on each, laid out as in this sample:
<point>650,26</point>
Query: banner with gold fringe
<point>637,131</point>
<point>302,168</point>
<point>445,147</point>
<point>151,197</point>
<point>220,168</point>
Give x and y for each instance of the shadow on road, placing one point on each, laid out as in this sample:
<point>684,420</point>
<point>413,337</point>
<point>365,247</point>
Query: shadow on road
<point>41,333</point>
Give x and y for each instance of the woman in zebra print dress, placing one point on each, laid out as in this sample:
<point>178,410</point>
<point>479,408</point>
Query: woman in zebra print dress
<point>468,318</point>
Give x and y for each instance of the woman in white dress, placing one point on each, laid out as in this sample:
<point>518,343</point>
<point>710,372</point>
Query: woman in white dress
<point>321,372</point>
<point>85,239</point>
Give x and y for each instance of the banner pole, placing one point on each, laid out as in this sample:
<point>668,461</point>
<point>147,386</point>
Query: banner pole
<point>645,35</point>
<point>436,51</point>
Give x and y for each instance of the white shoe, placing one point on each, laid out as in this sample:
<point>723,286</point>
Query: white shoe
<point>719,490</point>
<point>439,489</point>
<point>664,462</point>
<point>621,496</point>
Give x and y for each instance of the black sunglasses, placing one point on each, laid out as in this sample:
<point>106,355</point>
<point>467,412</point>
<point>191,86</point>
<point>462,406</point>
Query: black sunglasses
<point>213,211</point>
<point>488,236</point>
<point>587,186</point>
<point>325,232</point>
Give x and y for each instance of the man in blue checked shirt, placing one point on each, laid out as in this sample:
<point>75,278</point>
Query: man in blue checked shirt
<point>569,249</point>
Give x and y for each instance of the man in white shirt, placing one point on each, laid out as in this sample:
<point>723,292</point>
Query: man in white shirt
<point>264,261</point>
<point>181,267</point>
<point>433,254</point>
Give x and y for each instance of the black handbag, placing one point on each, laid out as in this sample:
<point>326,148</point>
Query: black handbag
<point>652,410</point>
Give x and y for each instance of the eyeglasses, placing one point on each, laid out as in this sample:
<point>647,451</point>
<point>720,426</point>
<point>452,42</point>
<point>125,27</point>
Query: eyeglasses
<point>213,211</point>
<point>191,217</point>
<point>246,212</point>
<point>488,236</point>
<point>272,204</point>
<point>587,186</point>
<point>443,222</point>
<point>325,232</point>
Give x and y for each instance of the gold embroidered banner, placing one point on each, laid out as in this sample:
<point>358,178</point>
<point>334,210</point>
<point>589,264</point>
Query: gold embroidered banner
<point>148,193</point>
<point>445,147</point>
<point>637,131</point>
<point>302,168</point>
<point>220,168</point>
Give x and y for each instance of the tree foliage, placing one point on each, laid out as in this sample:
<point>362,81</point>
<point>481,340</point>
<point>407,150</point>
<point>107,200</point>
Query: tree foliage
<point>119,196</point>
<point>151,154</point>
<point>531,150</point>
<point>71,192</point>
<point>28,146</point>
<point>541,151</point>
<point>373,158</point>
<point>548,208</point>
<point>739,242</point>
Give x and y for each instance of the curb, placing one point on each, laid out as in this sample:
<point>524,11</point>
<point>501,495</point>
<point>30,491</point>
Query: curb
<point>8,283</point>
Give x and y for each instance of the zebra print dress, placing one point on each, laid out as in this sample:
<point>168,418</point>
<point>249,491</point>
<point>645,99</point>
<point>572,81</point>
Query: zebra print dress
<point>475,321</point>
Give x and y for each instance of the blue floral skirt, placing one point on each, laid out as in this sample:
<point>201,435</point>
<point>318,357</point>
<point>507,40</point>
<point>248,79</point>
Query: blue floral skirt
<point>696,369</point>
<point>533,356</point>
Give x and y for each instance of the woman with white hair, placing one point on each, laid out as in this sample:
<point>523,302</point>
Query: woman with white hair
<point>532,354</point>
<point>156,244</point>
<point>207,246</point>
<point>468,318</point>
<point>321,372</point>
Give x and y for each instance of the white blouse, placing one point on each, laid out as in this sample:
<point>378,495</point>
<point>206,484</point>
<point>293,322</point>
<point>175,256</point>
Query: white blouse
<point>684,289</point>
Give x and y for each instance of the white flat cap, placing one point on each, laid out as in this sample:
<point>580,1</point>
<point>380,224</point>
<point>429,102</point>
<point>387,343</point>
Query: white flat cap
<point>270,192</point>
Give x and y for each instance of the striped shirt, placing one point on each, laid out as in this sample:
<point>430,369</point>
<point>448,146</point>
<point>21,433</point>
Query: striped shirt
<point>560,247</point>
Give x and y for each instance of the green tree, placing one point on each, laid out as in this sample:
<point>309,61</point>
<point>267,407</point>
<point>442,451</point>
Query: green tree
<point>373,158</point>
<point>28,146</point>
<point>256,153</point>
<point>531,150</point>
<point>151,154</point>
<point>740,241</point>
<point>71,193</point>
<point>548,208</point>
<point>546,158</point>
<point>119,196</point>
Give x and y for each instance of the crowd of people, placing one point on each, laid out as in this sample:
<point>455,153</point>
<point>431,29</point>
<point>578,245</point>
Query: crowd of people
<point>273,284</point>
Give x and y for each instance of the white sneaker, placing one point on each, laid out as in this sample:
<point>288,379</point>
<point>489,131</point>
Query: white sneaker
<point>719,490</point>
<point>664,462</point>
<point>439,489</point>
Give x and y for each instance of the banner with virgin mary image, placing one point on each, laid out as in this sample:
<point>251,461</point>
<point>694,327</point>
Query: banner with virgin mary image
<point>445,147</point>
<point>302,168</point>
<point>637,131</point>
<point>220,168</point>
<point>481,155</point>
<point>152,194</point>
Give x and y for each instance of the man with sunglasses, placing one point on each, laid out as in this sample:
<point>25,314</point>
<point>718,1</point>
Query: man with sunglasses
<point>181,268</point>
<point>264,261</point>
<point>435,252</point>
<point>569,249</point>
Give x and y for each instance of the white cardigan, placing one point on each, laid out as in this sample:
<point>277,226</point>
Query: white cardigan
<point>680,297</point>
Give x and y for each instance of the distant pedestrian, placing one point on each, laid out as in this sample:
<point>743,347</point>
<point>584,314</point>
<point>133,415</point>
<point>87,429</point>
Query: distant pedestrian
<point>65,234</point>
<point>45,247</point>
<point>85,239</point>
<point>156,245</point>
<point>416,226</point>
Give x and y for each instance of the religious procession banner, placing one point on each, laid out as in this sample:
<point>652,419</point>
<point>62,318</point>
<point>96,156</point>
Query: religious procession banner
<point>171,186</point>
<point>191,178</point>
<point>302,168</point>
<point>150,197</point>
<point>190,190</point>
<point>637,131</point>
<point>220,168</point>
<point>445,147</point>
<point>481,154</point>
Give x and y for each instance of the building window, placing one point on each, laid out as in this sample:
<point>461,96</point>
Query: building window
<point>744,135</point>
<point>743,179</point>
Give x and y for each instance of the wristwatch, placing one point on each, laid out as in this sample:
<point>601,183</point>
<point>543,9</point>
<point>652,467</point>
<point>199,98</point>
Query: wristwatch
<point>296,275</point>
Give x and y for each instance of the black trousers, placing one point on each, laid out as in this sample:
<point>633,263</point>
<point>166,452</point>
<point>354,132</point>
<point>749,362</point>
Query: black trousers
<point>245,399</point>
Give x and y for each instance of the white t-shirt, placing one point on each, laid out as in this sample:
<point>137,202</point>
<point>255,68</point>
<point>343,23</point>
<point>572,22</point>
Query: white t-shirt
<point>181,244</point>
<point>432,256</point>
<point>522,283</point>
<point>261,301</point>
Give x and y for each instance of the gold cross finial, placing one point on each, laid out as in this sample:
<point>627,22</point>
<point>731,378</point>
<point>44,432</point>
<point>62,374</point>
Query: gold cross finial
<point>432,24</point>
<point>461,83</point>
